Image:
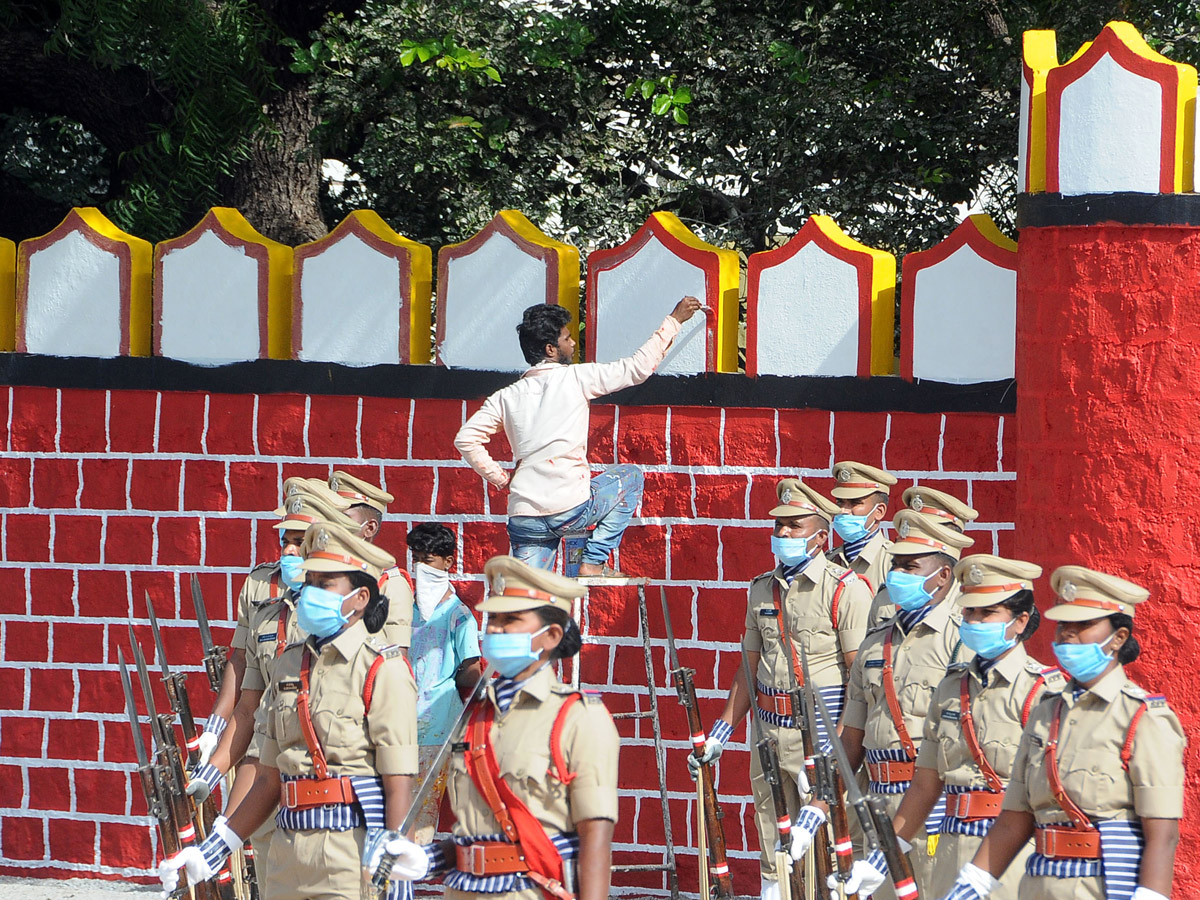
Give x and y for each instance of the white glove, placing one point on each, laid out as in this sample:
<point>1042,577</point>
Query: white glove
<point>866,875</point>
<point>808,822</point>
<point>802,782</point>
<point>208,743</point>
<point>202,781</point>
<point>973,883</point>
<point>190,858</point>
<point>412,862</point>
<point>770,890</point>
<point>712,752</point>
<point>1144,893</point>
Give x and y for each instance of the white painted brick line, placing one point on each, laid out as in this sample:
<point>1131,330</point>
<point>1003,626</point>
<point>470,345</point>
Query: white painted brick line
<point>79,488</point>
<point>832,448</point>
<point>253,425</point>
<point>941,441</point>
<point>721,436</point>
<point>204,424</point>
<point>412,414</point>
<point>775,431</point>
<point>157,418</point>
<point>667,434</point>
<point>8,423</point>
<point>307,421</point>
<point>107,421</point>
<point>1000,445</point>
<point>616,419</point>
<point>103,537</point>
<point>51,547</point>
<point>58,419</point>
<point>887,436</point>
<point>358,424</point>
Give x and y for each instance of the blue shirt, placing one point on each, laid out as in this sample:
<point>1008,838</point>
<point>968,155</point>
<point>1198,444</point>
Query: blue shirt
<point>439,647</point>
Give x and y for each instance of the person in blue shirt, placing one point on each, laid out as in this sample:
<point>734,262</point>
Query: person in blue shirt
<point>444,654</point>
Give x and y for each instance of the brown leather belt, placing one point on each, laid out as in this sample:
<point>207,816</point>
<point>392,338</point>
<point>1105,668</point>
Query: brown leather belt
<point>891,771</point>
<point>780,704</point>
<point>974,805</point>
<point>310,792</point>
<point>1064,842</point>
<point>489,858</point>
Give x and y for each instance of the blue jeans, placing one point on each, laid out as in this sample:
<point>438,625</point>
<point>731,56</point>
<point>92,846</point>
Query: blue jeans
<point>616,493</point>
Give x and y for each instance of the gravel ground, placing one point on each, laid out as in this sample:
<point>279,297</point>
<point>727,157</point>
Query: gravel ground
<point>13,888</point>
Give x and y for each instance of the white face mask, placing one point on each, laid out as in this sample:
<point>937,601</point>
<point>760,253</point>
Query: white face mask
<point>432,585</point>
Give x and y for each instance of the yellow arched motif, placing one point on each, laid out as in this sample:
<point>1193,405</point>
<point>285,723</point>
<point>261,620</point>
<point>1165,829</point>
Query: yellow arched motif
<point>989,231</point>
<point>882,294</point>
<point>728,279</point>
<point>8,296</point>
<point>566,266</point>
<point>1040,56</point>
<point>279,273</point>
<point>420,276</point>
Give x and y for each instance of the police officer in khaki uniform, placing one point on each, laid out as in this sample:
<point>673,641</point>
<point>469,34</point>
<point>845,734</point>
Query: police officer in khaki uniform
<point>271,628</point>
<point>560,792</point>
<point>943,509</point>
<point>825,608</point>
<point>974,723</point>
<point>266,583</point>
<point>899,666</point>
<point>861,493</point>
<point>1098,776</point>
<point>368,506</point>
<point>341,734</point>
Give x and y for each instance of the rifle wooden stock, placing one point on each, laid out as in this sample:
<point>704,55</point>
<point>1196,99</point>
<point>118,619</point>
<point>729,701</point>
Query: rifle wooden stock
<point>820,847</point>
<point>719,865</point>
<point>843,851</point>
<point>768,756</point>
<point>898,865</point>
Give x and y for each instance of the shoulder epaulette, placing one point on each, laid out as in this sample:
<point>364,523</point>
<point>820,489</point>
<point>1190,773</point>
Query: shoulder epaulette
<point>1053,676</point>
<point>766,574</point>
<point>387,651</point>
<point>265,565</point>
<point>1132,690</point>
<point>1156,702</point>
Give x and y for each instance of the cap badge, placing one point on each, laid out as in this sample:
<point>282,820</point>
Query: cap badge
<point>321,539</point>
<point>843,475</point>
<point>917,504</point>
<point>786,496</point>
<point>1068,591</point>
<point>497,585</point>
<point>334,484</point>
<point>293,489</point>
<point>296,506</point>
<point>904,530</point>
<point>975,575</point>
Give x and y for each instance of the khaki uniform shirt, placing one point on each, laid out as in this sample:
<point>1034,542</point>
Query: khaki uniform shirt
<point>398,627</point>
<point>520,739</point>
<point>809,605</point>
<point>871,564</point>
<point>919,661</point>
<point>256,590</point>
<point>882,607</point>
<point>262,653</point>
<point>1092,730</point>
<point>384,743</point>
<point>996,708</point>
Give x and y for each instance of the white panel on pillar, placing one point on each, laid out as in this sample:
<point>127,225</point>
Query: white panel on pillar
<point>74,301</point>
<point>351,300</point>
<point>210,307</point>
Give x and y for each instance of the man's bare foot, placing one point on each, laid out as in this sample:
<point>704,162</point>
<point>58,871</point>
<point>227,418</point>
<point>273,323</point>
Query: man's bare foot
<point>591,570</point>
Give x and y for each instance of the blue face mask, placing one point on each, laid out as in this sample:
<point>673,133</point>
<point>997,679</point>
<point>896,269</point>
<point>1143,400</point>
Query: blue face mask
<point>290,572</point>
<point>510,653</point>
<point>1083,662</point>
<point>988,639</point>
<point>907,590</point>
<point>791,551</point>
<point>850,528</point>
<point>319,612</point>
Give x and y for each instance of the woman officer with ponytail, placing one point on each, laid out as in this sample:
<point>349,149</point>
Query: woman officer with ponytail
<point>974,722</point>
<point>533,781</point>
<point>1098,778</point>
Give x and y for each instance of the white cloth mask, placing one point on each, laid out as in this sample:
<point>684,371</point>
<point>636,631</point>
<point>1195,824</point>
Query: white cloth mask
<point>432,585</point>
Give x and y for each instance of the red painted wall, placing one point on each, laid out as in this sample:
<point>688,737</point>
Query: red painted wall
<point>1108,343</point>
<point>105,495</point>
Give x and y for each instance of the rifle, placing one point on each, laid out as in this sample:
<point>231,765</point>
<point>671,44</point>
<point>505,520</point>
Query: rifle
<point>214,656</point>
<point>176,685</point>
<point>791,888</point>
<point>151,776</point>
<point>685,689</point>
<point>872,813</point>
<point>174,781</point>
<point>827,785</point>
<point>808,738</point>
<point>382,875</point>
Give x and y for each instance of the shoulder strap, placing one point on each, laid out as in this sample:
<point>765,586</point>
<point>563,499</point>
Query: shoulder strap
<point>556,752</point>
<point>837,596</point>
<point>972,738</point>
<point>516,821</point>
<point>777,597</point>
<point>281,631</point>
<point>387,574</point>
<point>369,684</point>
<point>1069,806</point>
<point>320,767</point>
<point>273,589</point>
<point>893,702</point>
<point>1039,682</point>
<point>1131,732</point>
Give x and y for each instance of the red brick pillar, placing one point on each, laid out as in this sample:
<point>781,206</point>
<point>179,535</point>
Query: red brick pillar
<point>1108,424</point>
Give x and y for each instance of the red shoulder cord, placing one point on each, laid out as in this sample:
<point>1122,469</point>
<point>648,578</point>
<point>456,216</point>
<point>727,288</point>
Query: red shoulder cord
<point>969,735</point>
<point>893,702</point>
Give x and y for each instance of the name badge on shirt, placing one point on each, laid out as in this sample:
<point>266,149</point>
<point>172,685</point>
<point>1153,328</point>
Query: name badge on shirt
<point>951,715</point>
<point>873,664</point>
<point>458,747</point>
<point>289,685</point>
<point>770,612</point>
<point>266,636</point>
<point>1035,740</point>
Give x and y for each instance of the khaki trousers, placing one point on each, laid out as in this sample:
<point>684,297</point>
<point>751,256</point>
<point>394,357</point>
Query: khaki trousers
<point>316,865</point>
<point>1045,887</point>
<point>956,850</point>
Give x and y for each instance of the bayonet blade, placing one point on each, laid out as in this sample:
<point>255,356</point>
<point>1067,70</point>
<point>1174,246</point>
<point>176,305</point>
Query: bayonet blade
<point>139,744</point>
<point>672,652</point>
<point>755,725</point>
<point>201,615</point>
<point>158,643</point>
<point>147,690</point>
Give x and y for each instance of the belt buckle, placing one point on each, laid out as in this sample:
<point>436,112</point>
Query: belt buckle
<point>478,860</point>
<point>783,705</point>
<point>962,806</point>
<point>289,794</point>
<point>885,771</point>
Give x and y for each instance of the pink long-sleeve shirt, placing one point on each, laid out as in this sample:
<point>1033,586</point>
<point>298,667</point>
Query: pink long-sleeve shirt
<point>545,416</point>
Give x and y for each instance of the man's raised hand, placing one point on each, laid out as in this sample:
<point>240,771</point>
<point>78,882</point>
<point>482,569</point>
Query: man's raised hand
<point>686,308</point>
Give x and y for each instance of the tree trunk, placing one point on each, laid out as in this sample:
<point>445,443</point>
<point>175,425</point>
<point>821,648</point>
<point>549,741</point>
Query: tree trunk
<point>278,188</point>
